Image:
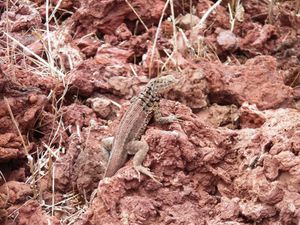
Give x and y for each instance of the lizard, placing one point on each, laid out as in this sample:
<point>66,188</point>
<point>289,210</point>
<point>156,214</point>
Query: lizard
<point>127,139</point>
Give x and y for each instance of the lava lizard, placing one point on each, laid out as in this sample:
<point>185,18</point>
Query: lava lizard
<point>127,139</point>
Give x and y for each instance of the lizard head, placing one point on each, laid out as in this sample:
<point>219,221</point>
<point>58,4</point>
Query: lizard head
<point>163,84</point>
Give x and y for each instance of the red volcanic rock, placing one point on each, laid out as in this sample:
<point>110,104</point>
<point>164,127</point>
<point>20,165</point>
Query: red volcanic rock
<point>171,153</point>
<point>256,82</point>
<point>257,212</point>
<point>191,89</point>
<point>257,38</point>
<point>232,158</point>
<point>95,75</point>
<point>250,116</point>
<point>11,147</point>
<point>271,167</point>
<point>25,105</point>
<point>112,55</point>
<point>107,16</point>
<point>88,46</point>
<point>228,208</point>
<point>122,32</point>
<point>15,192</point>
<point>31,213</point>
<point>21,17</point>
<point>227,40</point>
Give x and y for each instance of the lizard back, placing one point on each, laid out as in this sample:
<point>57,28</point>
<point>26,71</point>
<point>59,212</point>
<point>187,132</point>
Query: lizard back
<point>131,127</point>
<point>135,120</point>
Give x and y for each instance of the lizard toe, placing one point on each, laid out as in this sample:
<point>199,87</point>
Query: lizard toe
<point>138,173</point>
<point>146,171</point>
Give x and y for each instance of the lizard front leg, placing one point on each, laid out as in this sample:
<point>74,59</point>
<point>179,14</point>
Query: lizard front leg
<point>162,119</point>
<point>140,149</point>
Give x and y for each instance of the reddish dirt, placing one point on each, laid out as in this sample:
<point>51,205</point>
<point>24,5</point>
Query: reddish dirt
<point>232,158</point>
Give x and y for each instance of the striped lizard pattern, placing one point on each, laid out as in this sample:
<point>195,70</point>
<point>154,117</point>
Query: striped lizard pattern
<point>127,139</point>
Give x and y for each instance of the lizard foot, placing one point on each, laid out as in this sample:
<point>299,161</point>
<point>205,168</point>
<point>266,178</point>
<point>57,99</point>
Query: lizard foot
<point>177,118</point>
<point>169,119</point>
<point>145,170</point>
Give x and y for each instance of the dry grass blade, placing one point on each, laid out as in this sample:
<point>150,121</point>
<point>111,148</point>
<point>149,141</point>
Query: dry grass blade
<point>186,41</point>
<point>55,10</point>
<point>7,190</point>
<point>41,60</point>
<point>194,37</point>
<point>16,211</point>
<point>174,27</point>
<point>138,16</point>
<point>206,14</point>
<point>295,80</point>
<point>156,36</point>
<point>270,11</point>
<point>16,126</point>
<point>48,52</point>
<point>133,70</point>
<point>53,190</point>
<point>43,166</point>
<point>170,57</point>
<point>231,17</point>
<point>29,157</point>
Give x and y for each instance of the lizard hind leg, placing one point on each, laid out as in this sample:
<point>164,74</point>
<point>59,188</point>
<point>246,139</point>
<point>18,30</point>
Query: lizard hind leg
<point>163,119</point>
<point>106,146</point>
<point>107,143</point>
<point>140,149</point>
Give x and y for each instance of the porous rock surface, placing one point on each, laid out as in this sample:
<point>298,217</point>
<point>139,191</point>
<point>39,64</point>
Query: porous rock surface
<point>231,158</point>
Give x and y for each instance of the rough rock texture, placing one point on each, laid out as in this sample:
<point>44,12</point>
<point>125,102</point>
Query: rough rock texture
<point>68,76</point>
<point>83,165</point>
<point>14,193</point>
<point>21,17</point>
<point>200,166</point>
<point>94,76</point>
<point>31,213</point>
<point>256,82</point>
<point>107,16</point>
<point>25,105</point>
